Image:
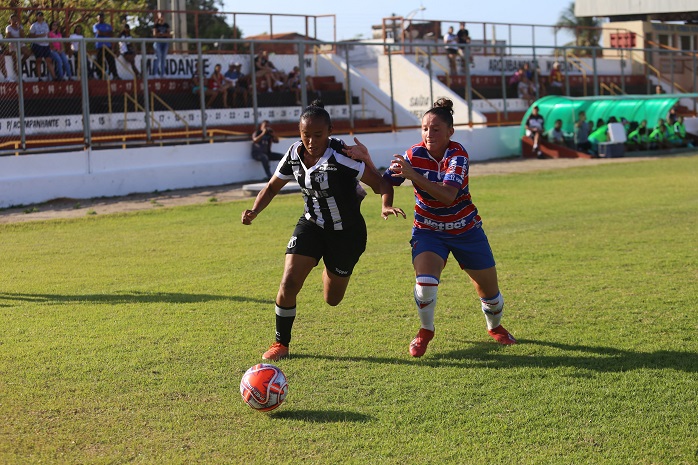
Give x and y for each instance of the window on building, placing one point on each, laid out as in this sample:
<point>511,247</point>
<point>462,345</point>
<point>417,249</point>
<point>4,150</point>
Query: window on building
<point>686,43</point>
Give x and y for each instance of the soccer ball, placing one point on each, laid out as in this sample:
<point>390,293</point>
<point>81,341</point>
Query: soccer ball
<point>264,387</point>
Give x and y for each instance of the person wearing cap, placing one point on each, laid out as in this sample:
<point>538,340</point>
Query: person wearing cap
<point>41,50</point>
<point>237,83</point>
<point>103,29</point>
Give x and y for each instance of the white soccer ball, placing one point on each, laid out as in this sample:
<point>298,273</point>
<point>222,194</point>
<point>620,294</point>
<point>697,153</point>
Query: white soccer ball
<point>264,387</point>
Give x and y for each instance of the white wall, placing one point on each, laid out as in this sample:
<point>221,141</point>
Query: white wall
<point>30,179</point>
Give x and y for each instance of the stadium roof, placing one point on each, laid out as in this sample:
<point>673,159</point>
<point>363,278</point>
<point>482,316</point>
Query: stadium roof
<point>663,10</point>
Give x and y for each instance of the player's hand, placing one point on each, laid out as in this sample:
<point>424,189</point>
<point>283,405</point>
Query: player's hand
<point>248,216</point>
<point>358,151</point>
<point>387,211</point>
<point>401,168</point>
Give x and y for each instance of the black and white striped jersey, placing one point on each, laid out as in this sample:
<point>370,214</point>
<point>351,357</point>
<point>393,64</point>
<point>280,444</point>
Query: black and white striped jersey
<point>328,187</point>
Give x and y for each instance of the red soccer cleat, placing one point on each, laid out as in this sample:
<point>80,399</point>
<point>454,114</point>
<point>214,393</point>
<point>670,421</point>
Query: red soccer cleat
<point>276,352</point>
<point>419,344</point>
<point>501,335</point>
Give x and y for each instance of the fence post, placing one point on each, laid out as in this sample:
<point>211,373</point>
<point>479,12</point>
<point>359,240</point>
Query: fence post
<point>468,85</point>
<point>20,95</point>
<point>202,85</point>
<point>392,91</point>
<point>253,74</point>
<point>350,100</point>
<point>301,66</point>
<point>622,70</point>
<point>695,101</point>
<point>504,83</point>
<point>596,74</point>
<point>85,94</point>
<point>146,93</point>
<point>431,78</point>
<point>671,62</point>
<point>567,72</point>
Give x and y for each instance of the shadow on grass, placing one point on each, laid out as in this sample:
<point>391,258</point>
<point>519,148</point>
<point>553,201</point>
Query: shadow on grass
<point>322,416</point>
<point>133,297</point>
<point>492,355</point>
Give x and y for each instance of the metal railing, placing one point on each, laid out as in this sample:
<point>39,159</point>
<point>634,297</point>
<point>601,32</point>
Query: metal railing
<point>50,116</point>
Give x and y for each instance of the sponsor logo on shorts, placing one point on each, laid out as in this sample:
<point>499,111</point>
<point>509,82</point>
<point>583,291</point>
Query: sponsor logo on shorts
<point>341,272</point>
<point>292,242</point>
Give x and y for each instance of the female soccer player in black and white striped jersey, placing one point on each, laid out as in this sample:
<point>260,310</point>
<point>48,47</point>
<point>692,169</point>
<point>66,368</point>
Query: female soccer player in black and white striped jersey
<point>331,227</point>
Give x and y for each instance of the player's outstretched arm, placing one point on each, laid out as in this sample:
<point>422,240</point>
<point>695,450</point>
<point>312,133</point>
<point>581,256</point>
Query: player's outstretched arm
<point>264,198</point>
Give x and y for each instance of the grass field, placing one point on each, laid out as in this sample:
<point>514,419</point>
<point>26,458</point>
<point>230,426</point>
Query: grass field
<point>123,338</point>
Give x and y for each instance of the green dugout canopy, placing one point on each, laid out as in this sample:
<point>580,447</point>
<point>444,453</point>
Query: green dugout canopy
<point>631,107</point>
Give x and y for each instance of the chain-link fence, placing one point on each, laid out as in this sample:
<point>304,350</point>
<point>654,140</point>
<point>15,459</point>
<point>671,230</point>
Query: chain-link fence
<point>87,92</point>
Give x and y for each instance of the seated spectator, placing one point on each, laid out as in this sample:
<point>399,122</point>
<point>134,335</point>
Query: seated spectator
<point>514,81</point>
<point>196,86</point>
<point>294,83</point>
<point>217,85</point>
<point>450,40</point>
<point>3,68</point>
<point>238,84</point>
<point>262,139</point>
<point>103,50</point>
<point>14,30</point>
<point>526,90</point>
<point>582,129</point>
<point>58,55</point>
<point>463,38</point>
<point>555,135</point>
<point>126,49</point>
<point>74,49</point>
<point>638,139</point>
<point>557,86</point>
<point>535,125</point>
<point>41,50</point>
<point>265,69</point>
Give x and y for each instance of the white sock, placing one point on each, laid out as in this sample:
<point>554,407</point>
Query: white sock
<point>493,309</point>
<point>425,290</point>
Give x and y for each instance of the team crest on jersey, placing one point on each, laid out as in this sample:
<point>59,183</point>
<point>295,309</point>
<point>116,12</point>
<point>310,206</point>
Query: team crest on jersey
<point>292,242</point>
<point>320,177</point>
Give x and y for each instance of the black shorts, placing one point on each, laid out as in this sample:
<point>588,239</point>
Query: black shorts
<point>340,250</point>
<point>41,51</point>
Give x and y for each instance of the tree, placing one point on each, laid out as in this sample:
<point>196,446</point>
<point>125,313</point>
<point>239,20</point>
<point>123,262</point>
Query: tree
<point>587,31</point>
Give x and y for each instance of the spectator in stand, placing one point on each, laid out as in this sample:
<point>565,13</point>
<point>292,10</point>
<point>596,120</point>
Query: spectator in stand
<point>14,30</point>
<point>658,89</point>
<point>238,84</point>
<point>557,86</point>
<point>535,125</point>
<point>451,41</point>
<point>263,69</point>
<point>127,51</point>
<point>294,83</point>
<point>526,90</point>
<point>262,139</point>
<point>555,135</point>
<point>102,29</point>
<point>582,129</point>
<point>60,59</point>
<point>161,31</point>
<point>196,83</point>
<point>41,50</point>
<point>3,68</point>
<point>217,85</point>
<point>74,49</point>
<point>463,39</point>
<point>639,139</point>
<point>514,81</point>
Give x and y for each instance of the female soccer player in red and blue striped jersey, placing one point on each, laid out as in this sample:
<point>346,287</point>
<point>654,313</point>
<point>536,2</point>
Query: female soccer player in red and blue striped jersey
<point>445,222</point>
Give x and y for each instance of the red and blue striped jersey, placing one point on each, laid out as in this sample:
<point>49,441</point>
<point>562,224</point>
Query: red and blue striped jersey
<point>452,170</point>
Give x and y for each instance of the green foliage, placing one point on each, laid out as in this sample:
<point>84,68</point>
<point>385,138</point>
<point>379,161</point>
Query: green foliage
<point>124,337</point>
<point>587,31</point>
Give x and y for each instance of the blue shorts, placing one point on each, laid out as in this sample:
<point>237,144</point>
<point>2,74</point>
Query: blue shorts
<point>471,249</point>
